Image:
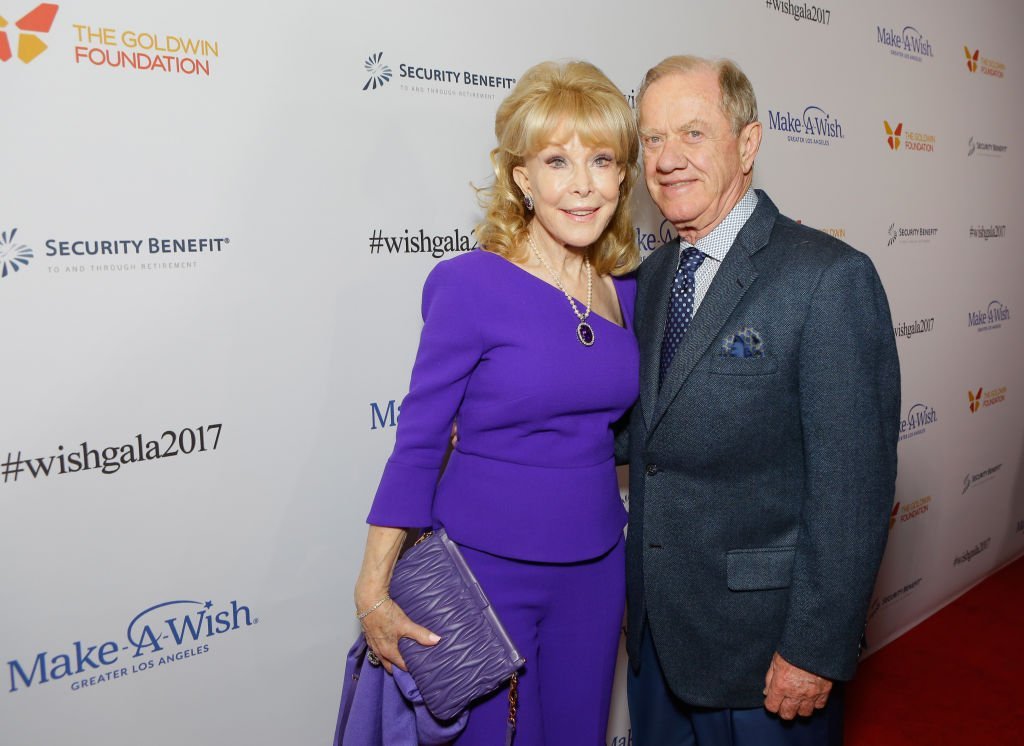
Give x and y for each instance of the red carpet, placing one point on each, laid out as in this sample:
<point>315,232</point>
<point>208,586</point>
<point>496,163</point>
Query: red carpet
<point>956,678</point>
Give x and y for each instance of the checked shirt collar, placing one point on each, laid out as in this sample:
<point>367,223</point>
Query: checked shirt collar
<point>716,244</point>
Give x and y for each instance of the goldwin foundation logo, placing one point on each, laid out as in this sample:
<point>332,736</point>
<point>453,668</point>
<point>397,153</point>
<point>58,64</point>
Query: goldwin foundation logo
<point>37,21</point>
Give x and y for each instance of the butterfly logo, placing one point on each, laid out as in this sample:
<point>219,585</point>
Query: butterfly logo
<point>972,59</point>
<point>892,516</point>
<point>975,400</point>
<point>894,134</point>
<point>36,21</point>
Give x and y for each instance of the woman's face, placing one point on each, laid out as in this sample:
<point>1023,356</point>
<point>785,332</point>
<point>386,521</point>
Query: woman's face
<point>574,187</point>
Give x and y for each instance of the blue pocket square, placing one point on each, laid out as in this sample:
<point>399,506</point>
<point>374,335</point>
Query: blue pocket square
<point>746,342</point>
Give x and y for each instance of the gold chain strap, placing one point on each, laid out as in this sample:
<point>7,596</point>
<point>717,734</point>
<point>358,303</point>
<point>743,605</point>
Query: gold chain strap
<point>426,535</point>
<point>513,700</point>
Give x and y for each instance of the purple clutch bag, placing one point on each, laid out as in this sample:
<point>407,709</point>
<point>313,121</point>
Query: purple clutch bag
<point>435,587</point>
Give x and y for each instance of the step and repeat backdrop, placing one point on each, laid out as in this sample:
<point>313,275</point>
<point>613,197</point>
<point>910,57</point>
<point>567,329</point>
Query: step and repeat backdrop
<point>215,222</point>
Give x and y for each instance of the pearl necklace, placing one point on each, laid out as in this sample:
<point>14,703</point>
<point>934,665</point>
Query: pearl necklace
<point>584,332</point>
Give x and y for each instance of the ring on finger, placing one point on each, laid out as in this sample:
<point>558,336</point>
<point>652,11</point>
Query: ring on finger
<point>373,659</point>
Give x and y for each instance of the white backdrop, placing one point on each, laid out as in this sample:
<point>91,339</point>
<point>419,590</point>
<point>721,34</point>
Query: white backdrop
<point>210,219</point>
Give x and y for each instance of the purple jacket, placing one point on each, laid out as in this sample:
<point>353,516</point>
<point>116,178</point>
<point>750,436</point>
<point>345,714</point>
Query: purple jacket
<point>533,474</point>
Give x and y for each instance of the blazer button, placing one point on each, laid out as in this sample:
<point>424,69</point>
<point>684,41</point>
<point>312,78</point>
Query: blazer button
<point>652,469</point>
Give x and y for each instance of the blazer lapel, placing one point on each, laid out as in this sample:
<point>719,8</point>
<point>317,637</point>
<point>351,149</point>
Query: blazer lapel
<point>731,283</point>
<point>651,326</point>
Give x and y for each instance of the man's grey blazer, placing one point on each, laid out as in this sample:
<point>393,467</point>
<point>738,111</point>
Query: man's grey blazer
<point>761,485</point>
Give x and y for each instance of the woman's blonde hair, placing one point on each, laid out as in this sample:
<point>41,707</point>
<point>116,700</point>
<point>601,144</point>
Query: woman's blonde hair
<point>549,97</point>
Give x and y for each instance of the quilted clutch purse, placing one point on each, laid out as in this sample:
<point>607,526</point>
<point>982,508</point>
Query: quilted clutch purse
<point>435,587</point>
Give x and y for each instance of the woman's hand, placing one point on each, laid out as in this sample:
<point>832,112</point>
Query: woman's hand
<point>384,627</point>
<point>386,624</point>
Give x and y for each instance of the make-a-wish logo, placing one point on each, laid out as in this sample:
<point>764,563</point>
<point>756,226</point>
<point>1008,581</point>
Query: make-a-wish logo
<point>13,255</point>
<point>990,318</point>
<point>36,21</point>
<point>814,126</point>
<point>650,240</point>
<point>386,416</point>
<point>157,636</point>
<point>918,418</point>
<point>910,44</point>
<point>910,234</point>
<point>379,72</point>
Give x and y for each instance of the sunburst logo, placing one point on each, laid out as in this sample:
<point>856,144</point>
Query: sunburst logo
<point>975,400</point>
<point>13,255</point>
<point>36,21</point>
<point>892,516</point>
<point>894,134</point>
<point>893,234</point>
<point>379,72</point>
<point>972,59</point>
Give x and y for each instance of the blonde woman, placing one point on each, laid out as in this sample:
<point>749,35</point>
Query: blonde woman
<point>529,342</point>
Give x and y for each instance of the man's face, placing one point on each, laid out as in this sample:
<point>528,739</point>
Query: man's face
<point>695,167</point>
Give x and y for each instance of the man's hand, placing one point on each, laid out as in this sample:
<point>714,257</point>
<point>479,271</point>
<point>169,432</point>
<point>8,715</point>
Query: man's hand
<point>791,691</point>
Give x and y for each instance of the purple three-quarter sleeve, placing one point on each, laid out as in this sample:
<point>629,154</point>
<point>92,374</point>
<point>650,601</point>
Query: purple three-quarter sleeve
<point>450,347</point>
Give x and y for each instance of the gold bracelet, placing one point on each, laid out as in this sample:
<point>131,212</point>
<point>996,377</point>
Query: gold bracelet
<point>363,615</point>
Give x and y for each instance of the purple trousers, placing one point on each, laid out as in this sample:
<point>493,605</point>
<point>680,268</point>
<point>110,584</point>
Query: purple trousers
<point>566,620</point>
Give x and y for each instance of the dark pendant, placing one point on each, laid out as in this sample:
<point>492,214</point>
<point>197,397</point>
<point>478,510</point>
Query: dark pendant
<point>585,334</point>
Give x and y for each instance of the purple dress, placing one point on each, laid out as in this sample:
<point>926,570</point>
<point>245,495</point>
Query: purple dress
<point>533,474</point>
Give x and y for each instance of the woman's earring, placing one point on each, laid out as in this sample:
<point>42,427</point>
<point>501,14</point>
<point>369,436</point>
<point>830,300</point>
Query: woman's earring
<point>528,201</point>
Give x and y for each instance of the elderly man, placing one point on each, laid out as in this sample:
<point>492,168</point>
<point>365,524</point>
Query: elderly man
<point>763,447</point>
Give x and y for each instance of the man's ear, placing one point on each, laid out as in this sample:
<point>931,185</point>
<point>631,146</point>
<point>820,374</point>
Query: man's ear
<point>749,143</point>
